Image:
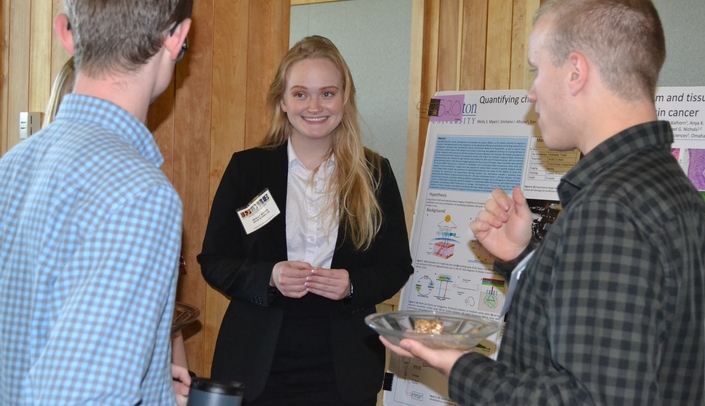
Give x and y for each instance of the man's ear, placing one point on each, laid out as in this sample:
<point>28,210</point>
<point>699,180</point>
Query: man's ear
<point>175,41</point>
<point>62,27</point>
<point>578,72</point>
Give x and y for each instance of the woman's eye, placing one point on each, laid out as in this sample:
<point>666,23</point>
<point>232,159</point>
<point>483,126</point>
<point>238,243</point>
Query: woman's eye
<point>328,94</point>
<point>299,95</point>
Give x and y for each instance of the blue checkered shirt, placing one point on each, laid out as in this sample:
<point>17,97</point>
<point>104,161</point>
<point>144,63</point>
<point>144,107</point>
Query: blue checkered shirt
<point>610,310</point>
<point>90,233</point>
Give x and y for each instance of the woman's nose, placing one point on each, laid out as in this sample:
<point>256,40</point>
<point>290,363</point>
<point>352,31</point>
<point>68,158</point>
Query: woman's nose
<point>314,106</point>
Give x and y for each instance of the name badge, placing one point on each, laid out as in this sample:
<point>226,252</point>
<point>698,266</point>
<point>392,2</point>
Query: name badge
<point>260,211</point>
<point>514,281</point>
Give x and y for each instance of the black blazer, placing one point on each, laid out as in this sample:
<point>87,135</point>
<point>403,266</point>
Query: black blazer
<point>240,266</point>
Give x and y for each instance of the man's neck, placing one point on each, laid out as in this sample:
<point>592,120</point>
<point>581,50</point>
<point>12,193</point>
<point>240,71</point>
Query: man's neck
<point>612,117</point>
<point>131,92</point>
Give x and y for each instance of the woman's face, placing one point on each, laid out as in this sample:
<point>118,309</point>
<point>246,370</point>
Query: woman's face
<point>313,99</point>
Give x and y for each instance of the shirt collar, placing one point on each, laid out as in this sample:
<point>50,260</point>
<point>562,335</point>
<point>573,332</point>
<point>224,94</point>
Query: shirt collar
<point>655,134</point>
<point>82,108</point>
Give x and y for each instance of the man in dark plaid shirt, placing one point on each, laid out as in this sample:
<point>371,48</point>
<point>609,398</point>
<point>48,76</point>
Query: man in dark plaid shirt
<point>609,310</point>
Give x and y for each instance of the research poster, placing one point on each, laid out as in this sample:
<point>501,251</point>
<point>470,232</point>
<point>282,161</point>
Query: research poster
<point>684,107</point>
<point>477,141</point>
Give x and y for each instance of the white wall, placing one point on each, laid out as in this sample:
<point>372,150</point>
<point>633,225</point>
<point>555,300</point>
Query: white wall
<point>685,49</point>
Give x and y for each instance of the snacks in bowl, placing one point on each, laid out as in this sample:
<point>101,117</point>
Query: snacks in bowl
<point>424,326</point>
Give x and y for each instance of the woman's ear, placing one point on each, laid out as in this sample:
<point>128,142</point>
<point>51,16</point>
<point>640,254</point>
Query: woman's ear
<point>62,27</point>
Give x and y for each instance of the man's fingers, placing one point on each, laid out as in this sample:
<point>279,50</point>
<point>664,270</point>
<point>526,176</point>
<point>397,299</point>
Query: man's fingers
<point>501,197</point>
<point>395,348</point>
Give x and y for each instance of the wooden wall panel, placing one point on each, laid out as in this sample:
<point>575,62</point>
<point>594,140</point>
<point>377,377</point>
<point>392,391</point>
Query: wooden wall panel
<point>414,149</point>
<point>183,122</point>
<point>40,54</point>
<point>429,73</point>
<point>31,57</point>
<point>499,44</point>
<point>4,40</point>
<point>473,53</point>
<point>521,78</point>
<point>231,26</point>
<point>304,2</point>
<point>251,37</point>
<point>228,113</point>
<point>448,44</point>
<point>58,54</point>
<point>192,112</point>
<point>18,68</point>
<point>267,20</point>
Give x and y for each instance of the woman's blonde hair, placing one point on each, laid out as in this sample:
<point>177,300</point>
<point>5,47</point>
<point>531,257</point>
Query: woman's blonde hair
<point>357,169</point>
<point>63,84</point>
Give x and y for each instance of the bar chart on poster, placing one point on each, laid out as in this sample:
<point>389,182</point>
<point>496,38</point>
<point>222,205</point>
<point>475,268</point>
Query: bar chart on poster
<point>478,141</point>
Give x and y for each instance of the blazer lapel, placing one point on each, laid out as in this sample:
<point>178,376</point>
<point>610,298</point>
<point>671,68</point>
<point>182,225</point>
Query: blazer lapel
<point>275,172</point>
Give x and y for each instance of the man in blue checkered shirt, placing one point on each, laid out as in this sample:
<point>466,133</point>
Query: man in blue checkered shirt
<point>90,228</point>
<point>610,308</point>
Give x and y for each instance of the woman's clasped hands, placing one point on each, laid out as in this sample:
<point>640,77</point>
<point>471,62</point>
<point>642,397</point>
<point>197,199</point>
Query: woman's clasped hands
<point>295,279</point>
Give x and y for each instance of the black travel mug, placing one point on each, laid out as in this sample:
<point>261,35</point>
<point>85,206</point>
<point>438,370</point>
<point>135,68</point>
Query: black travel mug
<point>206,392</point>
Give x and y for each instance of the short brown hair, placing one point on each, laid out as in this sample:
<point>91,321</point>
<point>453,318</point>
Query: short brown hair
<point>121,35</point>
<point>623,38</point>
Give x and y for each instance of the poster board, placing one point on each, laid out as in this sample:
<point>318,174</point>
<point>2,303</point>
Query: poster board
<point>684,107</point>
<point>477,141</point>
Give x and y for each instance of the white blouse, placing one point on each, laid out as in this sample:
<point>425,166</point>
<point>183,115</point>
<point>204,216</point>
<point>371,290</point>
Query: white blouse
<point>311,233</point>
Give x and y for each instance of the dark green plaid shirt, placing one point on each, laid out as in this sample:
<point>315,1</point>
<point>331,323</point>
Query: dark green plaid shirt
<point>610,309</point>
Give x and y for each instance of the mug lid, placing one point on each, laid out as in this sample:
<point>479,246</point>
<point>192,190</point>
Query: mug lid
<point>232,388</point>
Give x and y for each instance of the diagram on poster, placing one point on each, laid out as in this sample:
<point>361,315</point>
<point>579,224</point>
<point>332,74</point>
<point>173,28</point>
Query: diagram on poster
<point>481,140</point>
